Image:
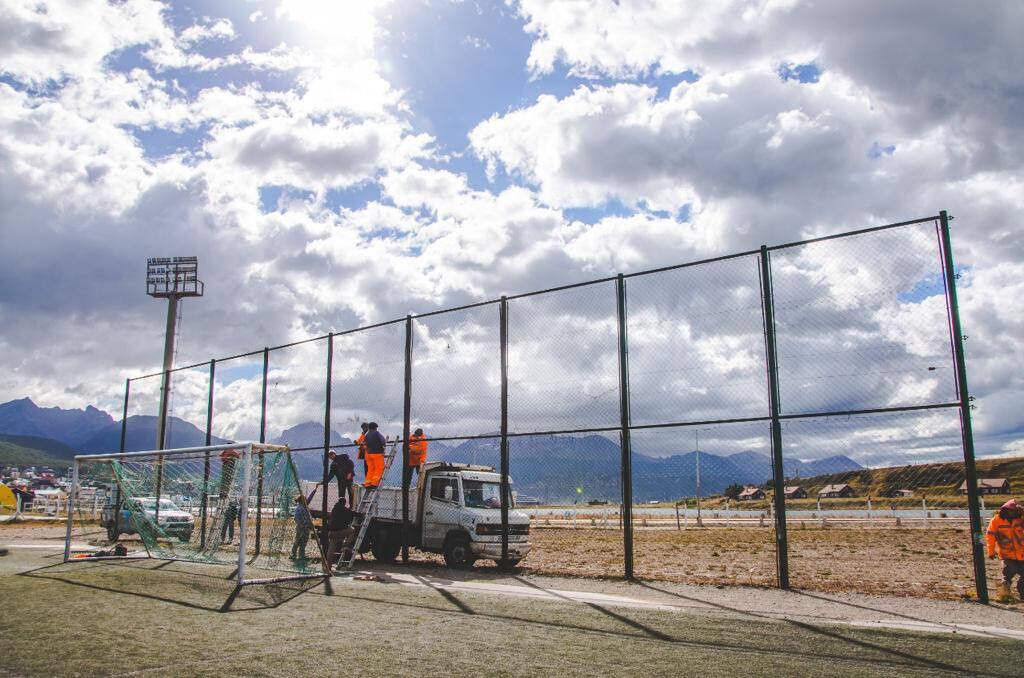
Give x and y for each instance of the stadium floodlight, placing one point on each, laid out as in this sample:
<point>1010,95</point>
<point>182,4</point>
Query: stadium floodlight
<point>172,278</point>
<point>205,493</point>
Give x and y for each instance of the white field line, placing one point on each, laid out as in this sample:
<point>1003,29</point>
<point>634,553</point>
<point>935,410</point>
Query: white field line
<point>52,547</point>
<point>586,597</point>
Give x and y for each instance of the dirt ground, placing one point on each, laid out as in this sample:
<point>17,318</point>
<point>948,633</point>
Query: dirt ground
<point>930,563</point>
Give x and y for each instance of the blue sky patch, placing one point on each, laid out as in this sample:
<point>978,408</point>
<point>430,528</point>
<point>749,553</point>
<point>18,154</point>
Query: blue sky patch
<point>877,150</point>
<point>802,73</point>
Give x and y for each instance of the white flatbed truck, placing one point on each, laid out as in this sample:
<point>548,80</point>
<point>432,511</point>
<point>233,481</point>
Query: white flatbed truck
<point>454,510</point>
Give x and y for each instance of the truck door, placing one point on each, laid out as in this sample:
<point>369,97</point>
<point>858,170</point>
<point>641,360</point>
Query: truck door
<point>442,509</point>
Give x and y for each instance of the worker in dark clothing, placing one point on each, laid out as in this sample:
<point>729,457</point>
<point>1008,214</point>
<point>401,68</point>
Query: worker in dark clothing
<point>339,531</point>
<point>344,469</point>
<point>375,443</point>
<point>303,525</point>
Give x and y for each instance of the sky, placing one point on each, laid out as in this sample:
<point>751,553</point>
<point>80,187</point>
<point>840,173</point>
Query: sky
<point>337,164</point>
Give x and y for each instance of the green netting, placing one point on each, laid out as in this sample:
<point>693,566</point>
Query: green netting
<point>191,505</point>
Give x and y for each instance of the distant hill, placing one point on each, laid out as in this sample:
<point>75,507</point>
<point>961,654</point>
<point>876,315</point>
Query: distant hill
<point>309,464</point>
<point>46,446</point>
<point>940,479</point>
<point>561,469</point>
<point>71,427</point>
<point>13,454</point>
<point>141,435</point>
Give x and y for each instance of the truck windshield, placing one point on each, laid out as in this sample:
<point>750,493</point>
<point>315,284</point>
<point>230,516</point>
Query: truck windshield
<point>480,494</point>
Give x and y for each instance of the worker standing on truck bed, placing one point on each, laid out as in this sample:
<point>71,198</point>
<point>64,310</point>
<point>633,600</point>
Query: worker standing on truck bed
<point>361,442</point>
<point>417,453</point>
<point>375,444</point>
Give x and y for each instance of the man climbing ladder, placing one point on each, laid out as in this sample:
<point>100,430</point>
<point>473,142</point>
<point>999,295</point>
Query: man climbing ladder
<point>367,505</point>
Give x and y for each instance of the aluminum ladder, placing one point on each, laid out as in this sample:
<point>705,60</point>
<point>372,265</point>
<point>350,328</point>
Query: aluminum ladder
<point>367,509</point>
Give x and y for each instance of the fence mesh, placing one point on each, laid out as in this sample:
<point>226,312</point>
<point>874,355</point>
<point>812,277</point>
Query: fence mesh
<point>868,392</point>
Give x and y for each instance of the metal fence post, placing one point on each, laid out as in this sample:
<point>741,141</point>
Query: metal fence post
<point>124,438</point>
<point>206,457</point>
<point>406,415</point>
<point>243,519</point>
<point>327,444</point>
<point>71,511</point>
<point>263,439</point>
<point>627,471</point>
<point>966,430</point>
<point>781,541</point>
<point>506,493</point>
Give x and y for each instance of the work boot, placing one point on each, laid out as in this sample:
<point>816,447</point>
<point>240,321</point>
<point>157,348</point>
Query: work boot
<point>1003,592</point>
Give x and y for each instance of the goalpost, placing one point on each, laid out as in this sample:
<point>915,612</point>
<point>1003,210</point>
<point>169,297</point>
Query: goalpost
<point>185,505</point>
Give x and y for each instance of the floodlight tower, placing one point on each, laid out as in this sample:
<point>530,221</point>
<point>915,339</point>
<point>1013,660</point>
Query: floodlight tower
<point>172,278</point>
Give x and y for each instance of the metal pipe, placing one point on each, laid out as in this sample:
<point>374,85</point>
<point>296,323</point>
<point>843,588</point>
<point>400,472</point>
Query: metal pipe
<point>406,423</point>
<point>626,460</point>
<point>506,492</point>
<point>966,429</point>
<point>327,445</point>
<point>244,511</point>
<point>270,447</point>
<point>206,457</point>
<point>71,511</point>
<point>263,439</point>
<point>781,540</point>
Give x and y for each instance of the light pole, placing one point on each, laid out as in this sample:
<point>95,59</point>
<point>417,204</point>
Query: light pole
<point>171,278</point>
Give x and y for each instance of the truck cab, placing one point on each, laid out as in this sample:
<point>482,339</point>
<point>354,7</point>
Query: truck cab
<point>455,510</point>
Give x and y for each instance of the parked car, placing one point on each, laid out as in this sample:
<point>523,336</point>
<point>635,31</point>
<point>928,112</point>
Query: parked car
<point>173,522</point>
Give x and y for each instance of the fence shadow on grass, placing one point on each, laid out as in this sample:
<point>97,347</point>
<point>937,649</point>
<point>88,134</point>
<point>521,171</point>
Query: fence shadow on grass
<point>904,658</point>
<point>181,584</point>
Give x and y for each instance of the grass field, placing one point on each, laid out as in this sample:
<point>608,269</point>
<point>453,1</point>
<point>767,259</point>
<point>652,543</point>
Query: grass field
<point>161,618</point>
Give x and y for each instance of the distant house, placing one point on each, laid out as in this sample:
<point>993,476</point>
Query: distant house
<point>903,493</point>
<point>750,493</point>
<point>835,491</point>
<point>795,492</point>
<point>989,486</point>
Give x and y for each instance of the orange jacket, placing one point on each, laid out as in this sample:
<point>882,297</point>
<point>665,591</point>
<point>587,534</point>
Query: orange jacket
<point>1006,537</point>
<point>361,442</point>
<point>417,450</point>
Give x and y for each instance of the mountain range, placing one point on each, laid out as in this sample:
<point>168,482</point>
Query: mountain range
<point>557,469</point>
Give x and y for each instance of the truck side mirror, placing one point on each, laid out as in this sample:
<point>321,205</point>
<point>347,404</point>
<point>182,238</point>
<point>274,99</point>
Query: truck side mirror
<point>448,493</point>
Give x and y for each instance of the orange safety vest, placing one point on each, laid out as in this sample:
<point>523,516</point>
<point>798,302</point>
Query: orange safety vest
<point>361,440</point>
<point>1006,537</point>
<point>417,450</point>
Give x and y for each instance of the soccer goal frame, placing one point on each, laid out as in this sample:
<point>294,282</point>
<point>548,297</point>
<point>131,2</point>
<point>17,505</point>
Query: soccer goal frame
<point>248,451</point>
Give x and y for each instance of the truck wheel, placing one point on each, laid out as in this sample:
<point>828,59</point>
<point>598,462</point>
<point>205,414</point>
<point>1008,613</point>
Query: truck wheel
<point>511,563</point>
<point>457,554</point>
<point>112,534</point>
<point>185,538</point>
<point>385,547</point>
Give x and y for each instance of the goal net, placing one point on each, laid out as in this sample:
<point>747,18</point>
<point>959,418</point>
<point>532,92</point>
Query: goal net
<point>238,505</point>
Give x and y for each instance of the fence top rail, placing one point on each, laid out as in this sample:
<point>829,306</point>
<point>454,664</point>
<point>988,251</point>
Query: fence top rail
<point>847,234</point>
<point>598,281</point>
<point>181,450</point>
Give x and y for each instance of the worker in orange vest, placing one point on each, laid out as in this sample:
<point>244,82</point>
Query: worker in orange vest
<point>417,450</point>
<point>361,442</point>
<point>1005,537</point>
<point>375,444</point>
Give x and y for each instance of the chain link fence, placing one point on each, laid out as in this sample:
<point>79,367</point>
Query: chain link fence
<point>793,416</point>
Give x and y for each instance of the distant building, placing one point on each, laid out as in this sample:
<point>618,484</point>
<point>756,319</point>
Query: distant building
<point>750,493</point>
<point>903,493</point>
<point>835,491</point>
<point>989,486</point>
<point>524,500</point>
<point>795,492</point>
